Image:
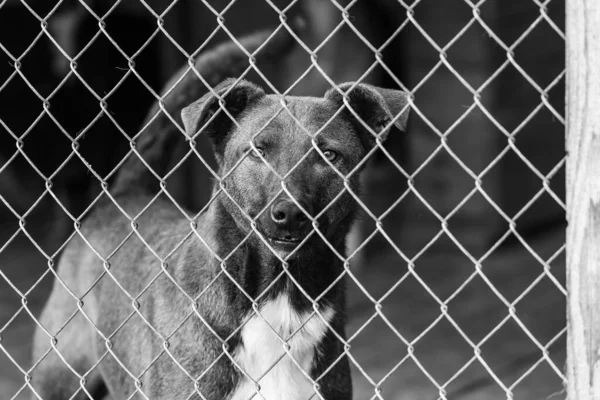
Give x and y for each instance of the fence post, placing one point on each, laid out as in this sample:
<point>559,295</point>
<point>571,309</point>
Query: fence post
<point>583,199</point>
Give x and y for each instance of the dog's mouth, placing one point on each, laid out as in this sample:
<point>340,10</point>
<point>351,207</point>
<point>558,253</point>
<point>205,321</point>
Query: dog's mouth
<point>285,240</point>
<point>284,245</point>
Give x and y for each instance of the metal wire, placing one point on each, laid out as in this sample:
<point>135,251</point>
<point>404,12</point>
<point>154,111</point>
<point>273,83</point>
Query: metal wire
<point>477,262</point>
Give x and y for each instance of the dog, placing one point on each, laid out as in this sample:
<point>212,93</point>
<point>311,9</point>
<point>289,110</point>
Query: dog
<point>247,299</point>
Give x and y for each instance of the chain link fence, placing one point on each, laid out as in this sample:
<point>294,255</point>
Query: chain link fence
<point>455,270</point>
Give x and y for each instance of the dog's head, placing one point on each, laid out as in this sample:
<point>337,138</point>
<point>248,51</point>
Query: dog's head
<point>316,148</point>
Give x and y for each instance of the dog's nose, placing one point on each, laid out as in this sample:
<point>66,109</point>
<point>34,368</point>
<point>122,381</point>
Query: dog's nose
<point>286,214</point>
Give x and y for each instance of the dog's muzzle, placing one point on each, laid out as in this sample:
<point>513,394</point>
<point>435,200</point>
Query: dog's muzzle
<point>288,216</point>
<point>286,225</point>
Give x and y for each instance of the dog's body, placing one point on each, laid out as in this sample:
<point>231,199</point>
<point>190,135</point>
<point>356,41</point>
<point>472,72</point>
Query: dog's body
<point>247,300</point>
<point>165,306</point>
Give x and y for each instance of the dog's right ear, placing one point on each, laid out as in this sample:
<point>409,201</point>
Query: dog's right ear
<point>376,106</point>
<point>198,116</point>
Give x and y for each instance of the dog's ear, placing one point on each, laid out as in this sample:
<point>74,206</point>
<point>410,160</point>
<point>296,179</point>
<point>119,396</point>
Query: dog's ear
<point>236,97</point>
<point>376,106</point>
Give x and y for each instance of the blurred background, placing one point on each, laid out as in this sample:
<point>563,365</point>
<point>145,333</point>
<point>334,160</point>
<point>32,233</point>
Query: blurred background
<point>469,275</point>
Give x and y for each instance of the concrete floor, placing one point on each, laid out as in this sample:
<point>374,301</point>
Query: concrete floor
<point>508,363</point>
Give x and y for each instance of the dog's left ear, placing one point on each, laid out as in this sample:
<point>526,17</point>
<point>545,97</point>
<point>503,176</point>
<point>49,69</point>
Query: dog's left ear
<point>236,97</point>
<point>376,106</point>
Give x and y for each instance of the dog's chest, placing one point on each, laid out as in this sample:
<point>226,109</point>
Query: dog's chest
<point>281,375</point>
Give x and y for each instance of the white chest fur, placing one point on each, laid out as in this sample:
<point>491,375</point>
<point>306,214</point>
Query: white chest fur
<point>263,356</point>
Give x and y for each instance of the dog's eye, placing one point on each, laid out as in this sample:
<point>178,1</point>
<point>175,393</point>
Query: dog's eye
<point>331,155</point>
<point>258,152</point>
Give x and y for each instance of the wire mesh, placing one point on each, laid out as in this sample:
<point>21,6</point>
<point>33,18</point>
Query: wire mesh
<point>542,262</point>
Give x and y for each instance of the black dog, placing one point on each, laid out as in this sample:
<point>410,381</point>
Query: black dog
<point>247,300</point>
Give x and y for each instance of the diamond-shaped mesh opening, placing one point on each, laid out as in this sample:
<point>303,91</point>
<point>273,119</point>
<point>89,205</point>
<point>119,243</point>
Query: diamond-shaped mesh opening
<point>265,245</point>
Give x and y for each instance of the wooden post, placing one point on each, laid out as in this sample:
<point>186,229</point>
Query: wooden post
<point>583,199</point>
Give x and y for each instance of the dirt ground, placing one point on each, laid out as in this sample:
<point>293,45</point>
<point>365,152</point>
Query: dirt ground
<point>437,331</point>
